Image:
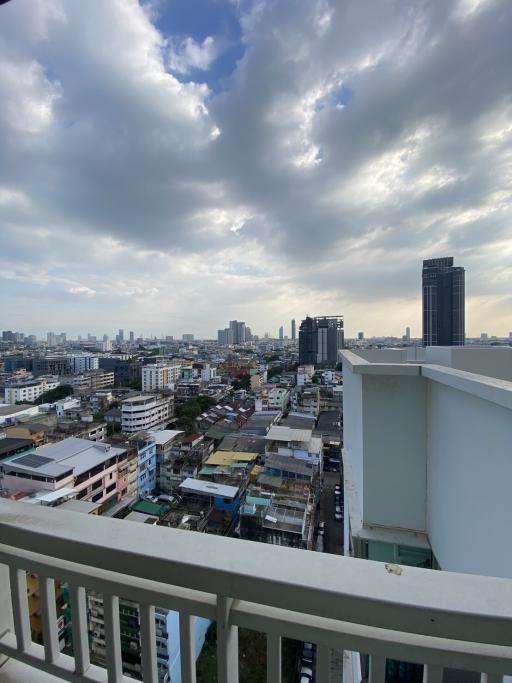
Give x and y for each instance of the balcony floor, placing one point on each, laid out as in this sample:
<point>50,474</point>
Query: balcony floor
<point>17,672</point>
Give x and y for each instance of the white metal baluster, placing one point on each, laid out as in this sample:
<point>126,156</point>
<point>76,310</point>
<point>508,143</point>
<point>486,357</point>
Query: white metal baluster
<point>432,673</point>
<point>112,638</point>
<point>227,643</point>
<point>187,648</point>
<point>323,664</point>
<point>79,625</point>
<point>377,669</point>
<point>49,617</point>
<point>491,678</point>
<point>18,579</point>
<point>148,644</point>
<point>274,665</point>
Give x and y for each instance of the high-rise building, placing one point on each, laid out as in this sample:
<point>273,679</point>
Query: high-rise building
<point>132,337</point>
<point>443,292</point>
<point>187,337</point>
<point>320,339</point>
<point>237,330</point>
<point>408,333</point>
<point>294,331</point>
<point>360,336</point>
<point>120,336</point>
<point>51,338</point>
<point>281,333</point>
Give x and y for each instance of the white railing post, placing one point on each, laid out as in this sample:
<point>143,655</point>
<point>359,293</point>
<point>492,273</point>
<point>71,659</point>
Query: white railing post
<point>377,669</point>
<point>112,638</point>
<point>20,608</point>
<point>49,617</point>
<point>79,626</point>
<point>227,642</point>
<point>432,674</point>
<point>323,664</point>
<point>274,658</point>
<point>148,644</point>
<point>187,648</point>
<point>6,620</point>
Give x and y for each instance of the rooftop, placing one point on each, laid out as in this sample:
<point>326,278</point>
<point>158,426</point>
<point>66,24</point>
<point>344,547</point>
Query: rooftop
<point>207,488</point>
<point>70,455</point>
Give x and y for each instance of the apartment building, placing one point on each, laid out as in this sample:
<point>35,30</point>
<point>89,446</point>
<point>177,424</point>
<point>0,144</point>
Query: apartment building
<point>305,399</point>
<point>272,398</point>
<point>87,467</point>
<point>145,412</point>
<point>300,444</point>
<point>160,376</point>
<point>29,391</point>
<point>90,381</point>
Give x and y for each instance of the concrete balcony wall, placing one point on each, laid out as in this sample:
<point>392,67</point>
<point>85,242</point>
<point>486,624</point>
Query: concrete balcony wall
<point>470,476</point>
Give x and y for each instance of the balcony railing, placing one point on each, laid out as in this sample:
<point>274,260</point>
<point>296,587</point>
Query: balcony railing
<point>438,619</point>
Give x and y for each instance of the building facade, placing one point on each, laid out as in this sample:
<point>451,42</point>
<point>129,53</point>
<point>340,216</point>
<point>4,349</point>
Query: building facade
<point>443,293</point>
<point>145,412</point>
<point>160,376</point>
<point>320,340</point>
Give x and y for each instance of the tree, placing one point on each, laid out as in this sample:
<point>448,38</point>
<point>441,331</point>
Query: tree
<point>53,395</point>
<point>243,382</point>
<point>273,372</point>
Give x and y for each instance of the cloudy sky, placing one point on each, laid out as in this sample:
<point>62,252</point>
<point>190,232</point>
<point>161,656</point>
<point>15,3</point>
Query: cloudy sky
<point>166,166</point>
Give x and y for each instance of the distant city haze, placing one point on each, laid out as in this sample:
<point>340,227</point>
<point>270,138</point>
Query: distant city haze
<point>257,162</point>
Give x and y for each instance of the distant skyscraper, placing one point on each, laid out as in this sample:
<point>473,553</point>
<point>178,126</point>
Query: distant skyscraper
<point>237,330</point>
<point>132,337</point>
<point>51,339</point>
<point>320,340</point>
<point>360,336</point>
<point>408,333</point>
<point>443,303</point>
<point>294,330</point>
<point>187,337</point>
<point>281,333</point>
<point>120,336</point>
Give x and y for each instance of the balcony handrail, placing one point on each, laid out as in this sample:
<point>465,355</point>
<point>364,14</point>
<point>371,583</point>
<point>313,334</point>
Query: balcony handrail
<point>405,599</point>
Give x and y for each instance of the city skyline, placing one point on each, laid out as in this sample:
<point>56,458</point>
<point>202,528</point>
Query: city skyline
<point>214,167</point>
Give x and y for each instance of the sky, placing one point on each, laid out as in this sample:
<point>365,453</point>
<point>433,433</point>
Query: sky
<point>169,165</point>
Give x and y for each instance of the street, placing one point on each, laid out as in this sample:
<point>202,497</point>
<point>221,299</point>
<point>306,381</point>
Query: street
<point>333,539</point>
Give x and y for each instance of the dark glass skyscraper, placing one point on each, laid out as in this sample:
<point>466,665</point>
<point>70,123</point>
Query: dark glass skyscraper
<point>320,340</point>
<point>443,292</point>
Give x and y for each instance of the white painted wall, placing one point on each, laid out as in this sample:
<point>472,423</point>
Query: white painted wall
<point>394,441</point>
<point>353,425</point>
<point>470,482</point>
<point>488,361</point>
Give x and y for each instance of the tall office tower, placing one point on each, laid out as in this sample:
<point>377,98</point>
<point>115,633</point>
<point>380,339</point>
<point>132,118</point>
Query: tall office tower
<point>51,338</point>
<point>248,334</point>
<point>294,331</point>
<point>320,339</point>
<point>360,336</point>
<point>187,337</point>
<point>132,337</point>
<point>281,333</point>
<point>120,336</point>
<point>408,333</point>
<point>63,337</point>
<point>105,337</point>
<point>237,330</point>
<point>443,303</point>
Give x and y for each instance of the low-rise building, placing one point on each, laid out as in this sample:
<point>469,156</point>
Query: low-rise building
<point>305,399</point>
<point>145,412</point>
<point>300,444</point>
<point>272,398</point>
<point>88,467</point>
<point>30,390</point>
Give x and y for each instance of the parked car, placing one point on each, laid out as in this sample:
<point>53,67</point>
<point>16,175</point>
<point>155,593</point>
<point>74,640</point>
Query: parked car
<point>321,528</point>
<point>338,516</point>
<point>304,678</point>
<point>337,488</point>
